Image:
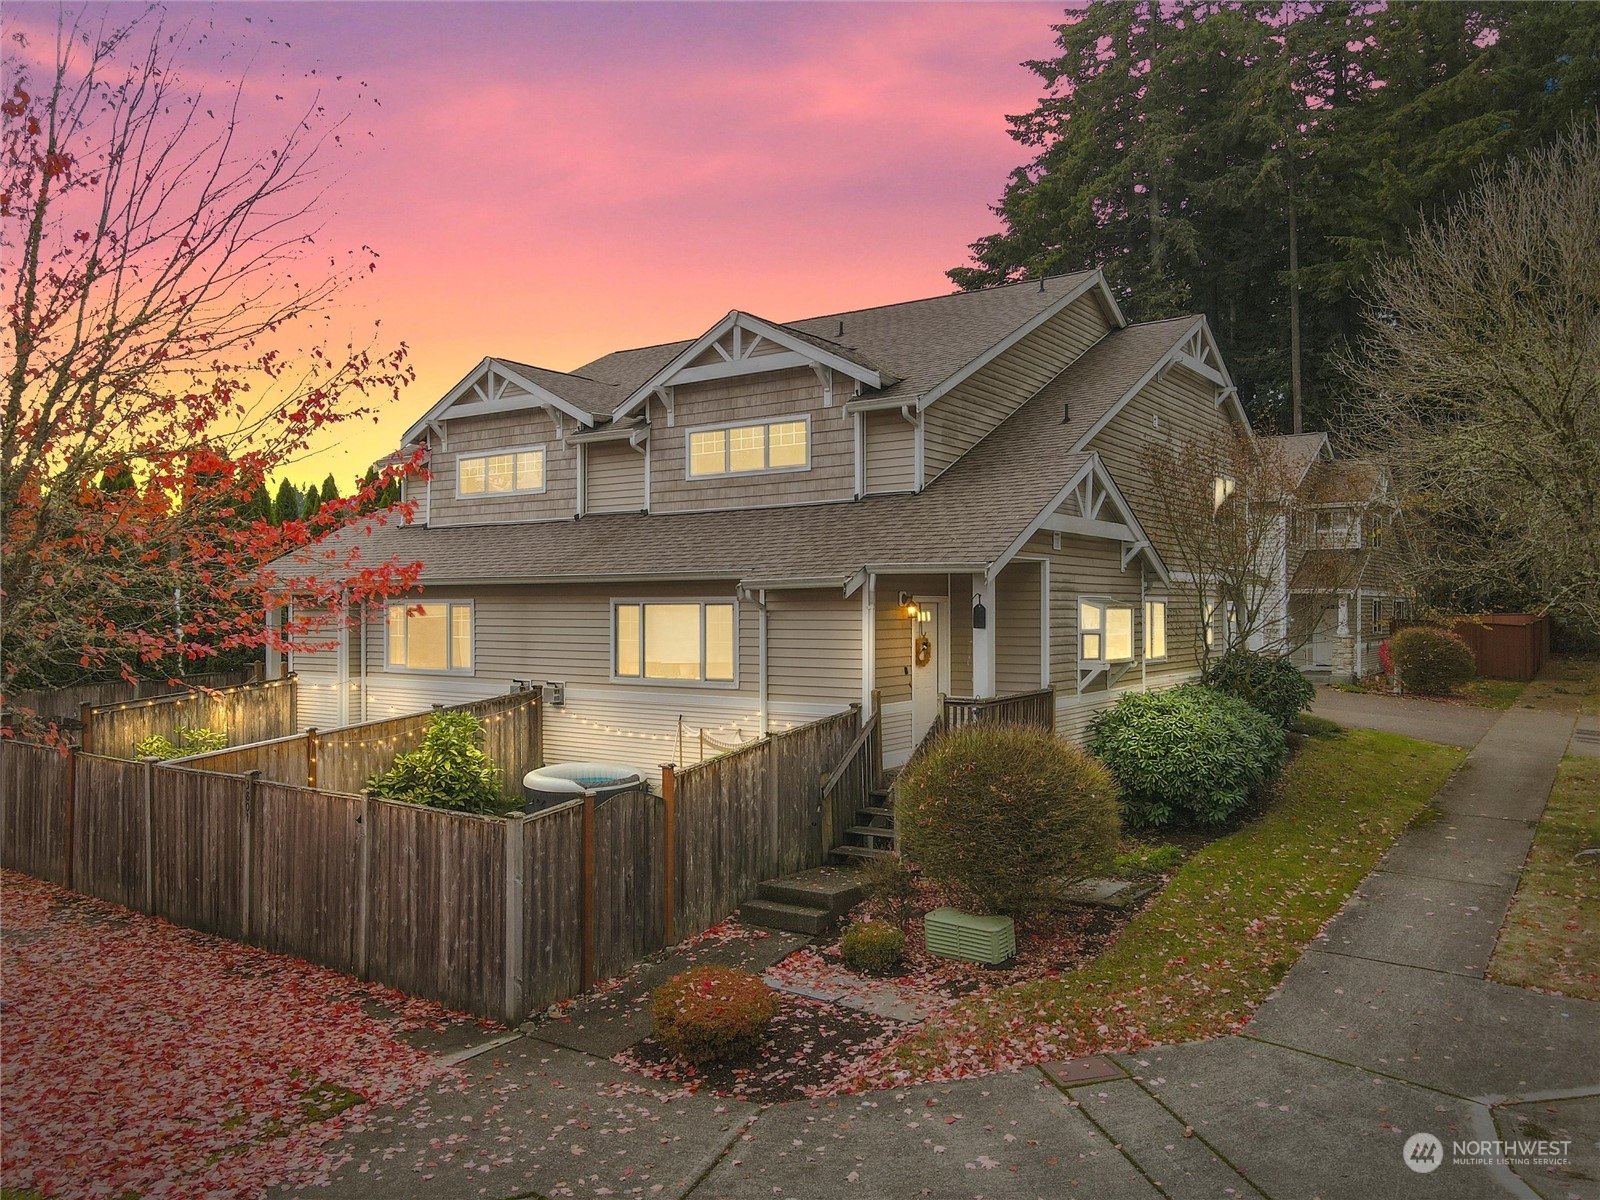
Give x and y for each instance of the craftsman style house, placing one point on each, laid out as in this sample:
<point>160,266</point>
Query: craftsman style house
<point>687,544</point>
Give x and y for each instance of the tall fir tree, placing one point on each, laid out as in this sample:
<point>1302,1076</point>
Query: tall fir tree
<point>286,507</point>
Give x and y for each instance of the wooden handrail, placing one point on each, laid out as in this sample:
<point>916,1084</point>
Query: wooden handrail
<point>831,780</point>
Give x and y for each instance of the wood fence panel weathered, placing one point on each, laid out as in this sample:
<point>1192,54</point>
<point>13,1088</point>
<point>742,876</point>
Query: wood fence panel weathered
<point>33,790</point>
<point>64,704</point>
<point>249,713</point>
<point>306,884</point>
<point>280,760</point>
<point>198,845</point>
<point>805,756</point>
<point>436,910</point>
<point>628,881</point>
<point>552,889</point>
<point>109,830</point>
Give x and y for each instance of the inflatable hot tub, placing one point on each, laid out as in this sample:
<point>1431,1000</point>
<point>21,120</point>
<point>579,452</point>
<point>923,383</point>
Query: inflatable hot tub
<point>560,782</point>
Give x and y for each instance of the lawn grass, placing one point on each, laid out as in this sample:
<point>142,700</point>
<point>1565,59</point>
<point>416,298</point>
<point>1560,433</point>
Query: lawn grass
<point>1231,923</point>
<point>1551,937</point>
<point>1493,693</point>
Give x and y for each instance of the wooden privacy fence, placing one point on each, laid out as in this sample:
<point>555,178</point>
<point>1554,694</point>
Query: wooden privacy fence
<point>250,712</point>
<point>746,816</point>
<point>496,916</point>
<point>65,705</point>
<point>1507,645</point>
<point>343,759</point>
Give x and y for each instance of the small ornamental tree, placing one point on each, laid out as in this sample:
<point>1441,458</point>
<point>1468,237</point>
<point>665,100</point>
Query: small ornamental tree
<point>1187,754</point>
<point>1431,662</point>
<point>161,360</point>
<point>448,770</point>
<point>1000,815</point>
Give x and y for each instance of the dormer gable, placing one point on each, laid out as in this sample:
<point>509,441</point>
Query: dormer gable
<point>742,344</point>
<point>498,385</point>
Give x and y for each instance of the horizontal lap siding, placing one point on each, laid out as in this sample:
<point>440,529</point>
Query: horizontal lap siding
<point>959,420</point>
<point>813,648</point>
<point>783,394</point>
<point>890,445</point>
<point>1019,629</point>
<point>614,476</point>
<point>892,631</point>
<point>505,431</point>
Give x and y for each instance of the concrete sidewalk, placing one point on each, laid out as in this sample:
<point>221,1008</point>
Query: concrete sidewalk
<point>1386,1027</point>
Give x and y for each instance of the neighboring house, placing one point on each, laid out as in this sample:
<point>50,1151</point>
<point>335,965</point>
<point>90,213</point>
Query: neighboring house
<point>771,521</point>
<point>1343,591</point>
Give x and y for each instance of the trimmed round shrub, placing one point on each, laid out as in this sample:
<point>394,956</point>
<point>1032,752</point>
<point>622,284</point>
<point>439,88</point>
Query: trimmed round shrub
<point>1431,662</point>
<point>873,946</point>
<point>707,1014</point>
<point>998,815</point>
<point>1266,682</point>
<point>1187,754</point>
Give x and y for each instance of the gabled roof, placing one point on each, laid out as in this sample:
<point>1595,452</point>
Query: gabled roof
<point>973,517</point>
<point>1299,451</point>
<point>1343,482</point>
<point>503,385</point>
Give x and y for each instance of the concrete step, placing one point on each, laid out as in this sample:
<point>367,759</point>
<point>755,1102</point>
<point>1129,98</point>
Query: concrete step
<point>861,852</point>
<point>795,918</point>
<point>834,889</point>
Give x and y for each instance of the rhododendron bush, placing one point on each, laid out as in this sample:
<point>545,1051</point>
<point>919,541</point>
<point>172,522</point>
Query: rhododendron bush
<point>165,350</point>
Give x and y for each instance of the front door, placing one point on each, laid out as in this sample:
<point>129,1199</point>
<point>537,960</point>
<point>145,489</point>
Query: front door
<point>1322,636</point>
<point>930,665</point>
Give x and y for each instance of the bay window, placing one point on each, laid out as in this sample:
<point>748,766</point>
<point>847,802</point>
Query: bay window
<point>674,641</point>
<point>1105,631</point>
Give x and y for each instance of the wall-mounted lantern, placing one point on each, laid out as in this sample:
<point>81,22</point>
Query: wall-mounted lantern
<point>909,608</point>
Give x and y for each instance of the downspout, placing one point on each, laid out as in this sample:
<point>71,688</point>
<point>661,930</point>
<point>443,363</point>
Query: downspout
<point>363,673</point>
<point>1144,632</point>
<point>1358,654</point>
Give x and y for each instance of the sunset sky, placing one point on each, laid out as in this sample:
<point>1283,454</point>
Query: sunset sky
<point>548,182</point>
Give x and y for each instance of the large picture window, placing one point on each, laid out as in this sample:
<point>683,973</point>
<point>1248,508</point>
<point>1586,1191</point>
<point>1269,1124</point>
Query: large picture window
<point>504,473</point>
<point>674,641</point>
<point>742,449</point>
<point>430,637</point>
<point>1105,631</point>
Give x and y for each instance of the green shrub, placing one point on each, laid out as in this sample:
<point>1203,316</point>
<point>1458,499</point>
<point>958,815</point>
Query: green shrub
<point>1142,860</point>
<point>1266,682</point>
<point>190,741</point>
<point>1431,662</point>
<point>1311,726</point>
<point>997,814</point>
<point>873,946</point>
<point>448,770</point>
<point>889,881</point>
<point>1187,754</point>
<point>707,1014</point>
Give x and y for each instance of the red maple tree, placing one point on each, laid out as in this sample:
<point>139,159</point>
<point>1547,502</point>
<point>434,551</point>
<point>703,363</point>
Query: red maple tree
<point>166,327</point>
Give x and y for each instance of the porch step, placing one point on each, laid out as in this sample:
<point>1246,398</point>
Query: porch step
<point>793,918</point>
<point>874,833</point>
<point>834,890</point>
<point>876,810</point>
<point>862,852</point>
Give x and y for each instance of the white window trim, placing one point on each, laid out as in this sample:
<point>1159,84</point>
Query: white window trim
<point>1166,610</point>
<point>486,494</point>
<point>1103,603</point>
<point>643,680</point>
<point>688,448</point>
<point>449,640</point>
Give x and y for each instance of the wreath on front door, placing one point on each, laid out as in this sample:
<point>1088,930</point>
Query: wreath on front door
<point>924,651</point>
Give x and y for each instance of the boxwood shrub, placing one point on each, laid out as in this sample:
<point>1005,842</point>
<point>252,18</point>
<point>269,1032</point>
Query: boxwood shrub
<point>1431,662</point>
<point>1187,754</point>
<point>873,946</point>
<point>1266,682</point>
<point>996,814</point>
<point>707,1014</point>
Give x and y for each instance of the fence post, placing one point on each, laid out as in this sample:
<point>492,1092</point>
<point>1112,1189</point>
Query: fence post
<point>363,879</point>
<point>294,700</point>
<point>669,848</point>
<point>85,723</point>
<point>774,810</point>
<point>311,757</point>
<point>586,978</point>
<point>247,900</point>
<point>68,820</point>
<point>150,834</point>
<point>514,910</point>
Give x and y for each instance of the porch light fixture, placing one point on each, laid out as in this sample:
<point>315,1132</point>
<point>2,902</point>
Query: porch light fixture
<point>980,614</point>
<point>908,606</point>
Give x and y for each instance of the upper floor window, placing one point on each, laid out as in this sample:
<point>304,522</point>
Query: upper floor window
<point>1221,488</point>
<point>741,449</point>
<point>430,637</point>
<point>1155,629</point>
<point>1221,624</point>
<point>674,641</point>
<point>1105,631</point>
<point>503,473</point>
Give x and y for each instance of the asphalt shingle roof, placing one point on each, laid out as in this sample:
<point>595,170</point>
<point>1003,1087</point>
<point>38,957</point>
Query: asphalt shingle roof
<point>968,516</point>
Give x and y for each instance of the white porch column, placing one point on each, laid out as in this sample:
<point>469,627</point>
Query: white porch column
<point>983,593</point>
<point>1344,616</point>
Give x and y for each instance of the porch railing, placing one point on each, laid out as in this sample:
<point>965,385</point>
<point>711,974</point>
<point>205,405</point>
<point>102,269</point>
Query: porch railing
<point>848,787</point>
<point>1036,710</point>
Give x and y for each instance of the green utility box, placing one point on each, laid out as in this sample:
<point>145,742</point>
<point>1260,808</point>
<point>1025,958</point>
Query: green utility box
<point>951,933</point>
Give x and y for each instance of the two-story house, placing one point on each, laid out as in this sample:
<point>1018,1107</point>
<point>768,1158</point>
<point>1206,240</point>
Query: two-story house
<point>767,522</point>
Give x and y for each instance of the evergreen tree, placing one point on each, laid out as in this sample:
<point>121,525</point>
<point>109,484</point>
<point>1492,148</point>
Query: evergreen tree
<point>287,505</point>
<point>310,502</point>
